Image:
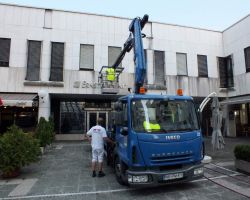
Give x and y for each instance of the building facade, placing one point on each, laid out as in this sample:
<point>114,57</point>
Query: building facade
<point>50,63</point>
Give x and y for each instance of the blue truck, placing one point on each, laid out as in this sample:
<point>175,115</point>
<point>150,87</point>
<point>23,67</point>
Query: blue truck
<point>158,137</point>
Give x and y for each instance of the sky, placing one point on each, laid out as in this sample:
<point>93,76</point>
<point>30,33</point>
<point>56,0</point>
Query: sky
<point>207,14</point>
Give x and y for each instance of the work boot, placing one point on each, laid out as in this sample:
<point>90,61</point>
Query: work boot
<point>93,174</point>
<point>101,174</point>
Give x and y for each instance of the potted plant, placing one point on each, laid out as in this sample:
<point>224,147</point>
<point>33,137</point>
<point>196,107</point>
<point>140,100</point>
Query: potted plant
<point>17,149</point>
<point>45,132</point>
<point>242,155</point>
<point>51,130</point>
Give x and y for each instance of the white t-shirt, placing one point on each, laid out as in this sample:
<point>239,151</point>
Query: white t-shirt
<point>98,133</point>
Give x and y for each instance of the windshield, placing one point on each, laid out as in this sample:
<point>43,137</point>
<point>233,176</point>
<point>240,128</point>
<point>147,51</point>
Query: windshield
<point>152,115</point>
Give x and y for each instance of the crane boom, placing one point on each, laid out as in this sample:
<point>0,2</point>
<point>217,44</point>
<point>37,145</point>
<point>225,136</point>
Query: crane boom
<point>135,41</point>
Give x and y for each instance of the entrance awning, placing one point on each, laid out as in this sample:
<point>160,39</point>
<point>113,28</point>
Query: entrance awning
<point>19,100</point>
<point>236,100</point>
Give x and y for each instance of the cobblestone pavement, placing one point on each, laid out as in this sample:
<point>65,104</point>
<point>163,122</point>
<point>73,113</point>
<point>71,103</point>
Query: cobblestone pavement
<point>64,173</point>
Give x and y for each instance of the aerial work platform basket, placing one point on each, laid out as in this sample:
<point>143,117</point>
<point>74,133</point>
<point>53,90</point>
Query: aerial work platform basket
<point>109,79</point>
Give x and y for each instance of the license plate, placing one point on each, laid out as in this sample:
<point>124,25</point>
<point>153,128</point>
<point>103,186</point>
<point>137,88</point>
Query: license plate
<point>172,176</point>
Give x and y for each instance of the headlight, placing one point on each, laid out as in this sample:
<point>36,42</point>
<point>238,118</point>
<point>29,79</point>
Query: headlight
<point>198,171</point>
<point>138,179</point>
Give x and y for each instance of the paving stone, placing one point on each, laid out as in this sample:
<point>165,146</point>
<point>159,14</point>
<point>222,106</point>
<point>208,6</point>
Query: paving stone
<point>54,190</point>
<point>86,188</point>
<point>68,170</point>
<point>6,189</point>
<point>70,189</point>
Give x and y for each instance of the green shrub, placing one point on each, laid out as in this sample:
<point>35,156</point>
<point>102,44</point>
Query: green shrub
<point>41,132</point>
<point>45,131</point>
<point>242,152</point>
<point>17,149</point>
<point>51,130</point>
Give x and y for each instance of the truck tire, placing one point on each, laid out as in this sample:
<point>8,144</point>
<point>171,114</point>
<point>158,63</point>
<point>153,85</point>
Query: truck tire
<point>120,172</point>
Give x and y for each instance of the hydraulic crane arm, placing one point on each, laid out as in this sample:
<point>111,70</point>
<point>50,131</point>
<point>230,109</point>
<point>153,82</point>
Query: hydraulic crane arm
<point>135,41</point>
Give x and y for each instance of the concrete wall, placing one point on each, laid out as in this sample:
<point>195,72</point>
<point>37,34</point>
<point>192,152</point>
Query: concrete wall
<point>23,23</point>
<point>235,39</point>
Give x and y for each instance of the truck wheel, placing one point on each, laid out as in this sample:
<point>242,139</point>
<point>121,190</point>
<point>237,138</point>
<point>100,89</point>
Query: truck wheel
<point>120,172</point>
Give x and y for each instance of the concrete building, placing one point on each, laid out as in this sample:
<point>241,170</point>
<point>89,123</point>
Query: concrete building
<point>50,62</point>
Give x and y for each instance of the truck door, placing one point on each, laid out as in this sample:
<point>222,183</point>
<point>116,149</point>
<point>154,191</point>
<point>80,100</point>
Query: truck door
<point>122,131</point>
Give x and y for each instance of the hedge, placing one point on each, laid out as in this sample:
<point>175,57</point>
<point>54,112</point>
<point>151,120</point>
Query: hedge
<point>242,152</point>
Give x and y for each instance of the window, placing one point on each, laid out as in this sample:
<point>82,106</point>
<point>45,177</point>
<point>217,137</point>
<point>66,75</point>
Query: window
<point>48,18</point>
<point>57,57</point>
<point>113,53</point>
<point>33,63</point>
<point>226,72</point>
<point>202,65</point>
<point>247,58</point>
<point>121,113</point>
<point>71,121</point>
<point>125,114</point>
<point>181,61</point>
<point>4,52</point>
<point>159,65</point>
<point>146,57</point>
<point>87,57</point>
<point>146,64</point>
<point>158,115</point>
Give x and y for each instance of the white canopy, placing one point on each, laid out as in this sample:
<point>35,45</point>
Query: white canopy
<point>19,100</point>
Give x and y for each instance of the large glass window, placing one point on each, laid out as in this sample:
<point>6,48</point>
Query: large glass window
<point>4,52</point>
<point>226,72</point>
<point>181,61</point>
<point>48,18</point>
<point>146,57</point>
<point>33,63</point>
<point>57,58</point>
<point>23,117</point>
<point>87,57</point>
<point>150,115</point>
<point>159,65</point>
<point>146,64</point>
<point>247,58</point>
<point>72,118</point>
<point>202,65</point>
<point>113,53</point>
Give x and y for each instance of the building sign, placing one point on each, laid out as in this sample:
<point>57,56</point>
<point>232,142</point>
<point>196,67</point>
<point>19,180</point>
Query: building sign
<point>84,84</point>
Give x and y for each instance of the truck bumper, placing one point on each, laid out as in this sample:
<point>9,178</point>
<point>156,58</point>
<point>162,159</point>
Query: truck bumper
<point>153,177</point>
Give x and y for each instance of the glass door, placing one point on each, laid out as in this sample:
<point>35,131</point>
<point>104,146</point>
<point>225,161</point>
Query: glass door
<point>103,115</point>
<point>92,117</point>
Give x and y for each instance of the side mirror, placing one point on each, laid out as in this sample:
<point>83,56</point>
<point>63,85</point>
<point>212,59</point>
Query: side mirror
<point>124,131</point>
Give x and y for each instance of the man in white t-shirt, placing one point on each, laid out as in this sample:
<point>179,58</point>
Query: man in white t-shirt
<point>96,135</point>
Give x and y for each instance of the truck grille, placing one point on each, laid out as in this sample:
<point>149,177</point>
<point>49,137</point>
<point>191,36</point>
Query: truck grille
<point>172,158</point>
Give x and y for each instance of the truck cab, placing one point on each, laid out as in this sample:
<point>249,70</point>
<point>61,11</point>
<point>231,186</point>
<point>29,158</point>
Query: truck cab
<point>158,140</point>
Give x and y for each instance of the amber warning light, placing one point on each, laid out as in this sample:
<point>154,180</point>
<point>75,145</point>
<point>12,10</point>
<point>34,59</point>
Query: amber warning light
<point>142,90</point>
<point>180,92</point>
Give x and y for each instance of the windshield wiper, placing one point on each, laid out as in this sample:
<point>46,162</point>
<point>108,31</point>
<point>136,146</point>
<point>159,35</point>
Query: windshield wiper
<point>156,130</point>
<point>165,130</point>
<point>188,129</point>
<point>170,130</point>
